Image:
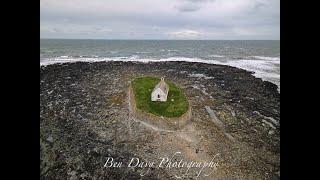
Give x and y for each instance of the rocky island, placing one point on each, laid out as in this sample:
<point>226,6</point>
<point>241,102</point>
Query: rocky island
<point>85,120</point>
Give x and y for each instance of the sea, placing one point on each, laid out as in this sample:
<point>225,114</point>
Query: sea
<point>262,57</point>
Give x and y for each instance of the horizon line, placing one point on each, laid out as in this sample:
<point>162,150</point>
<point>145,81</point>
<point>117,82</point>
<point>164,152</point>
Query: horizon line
<point>164,39</point>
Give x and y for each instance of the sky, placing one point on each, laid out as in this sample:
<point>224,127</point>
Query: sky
<point>160,19</point>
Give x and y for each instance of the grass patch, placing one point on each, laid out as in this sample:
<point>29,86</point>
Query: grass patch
<point>142,88</point>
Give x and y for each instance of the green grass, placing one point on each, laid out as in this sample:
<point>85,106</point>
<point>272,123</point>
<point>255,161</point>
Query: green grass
<point>142,88</point>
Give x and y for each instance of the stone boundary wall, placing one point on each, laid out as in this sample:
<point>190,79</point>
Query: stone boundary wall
<point>174,123</point>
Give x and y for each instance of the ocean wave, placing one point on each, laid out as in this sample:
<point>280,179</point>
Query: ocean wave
<point>267,69</point>
<point>216,56</point>
<point>134,57</point>
<point>267,58</point>
<point>142,52</point>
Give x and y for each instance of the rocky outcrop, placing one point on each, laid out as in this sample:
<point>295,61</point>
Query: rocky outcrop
<point>85,118</point>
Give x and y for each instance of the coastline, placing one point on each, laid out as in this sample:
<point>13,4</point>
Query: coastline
<point>84,117</point>
<point>244,64</point>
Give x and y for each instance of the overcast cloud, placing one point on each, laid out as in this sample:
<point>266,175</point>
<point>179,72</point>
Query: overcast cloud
<point>160,19</point>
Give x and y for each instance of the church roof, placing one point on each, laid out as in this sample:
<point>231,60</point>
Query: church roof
<point>163,86</point>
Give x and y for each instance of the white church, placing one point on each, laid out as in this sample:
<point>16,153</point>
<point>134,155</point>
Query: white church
<point>160,91</point>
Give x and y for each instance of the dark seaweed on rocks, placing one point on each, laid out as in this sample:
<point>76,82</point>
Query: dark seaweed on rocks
<point>84,118</point>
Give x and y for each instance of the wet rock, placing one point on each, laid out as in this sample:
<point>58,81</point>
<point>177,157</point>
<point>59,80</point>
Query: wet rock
<point>84,107</point>
<point>50,139</point>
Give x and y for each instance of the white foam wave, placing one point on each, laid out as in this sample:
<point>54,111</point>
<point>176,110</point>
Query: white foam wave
<point>267,58</point>
<point>268,69</point>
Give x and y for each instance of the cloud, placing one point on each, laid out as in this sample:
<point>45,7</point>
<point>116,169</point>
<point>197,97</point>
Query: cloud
<point>185,34</point>
<point>191,5</point>
<point>187,7</point>
<point>198,1</point>
<point>221,19</point>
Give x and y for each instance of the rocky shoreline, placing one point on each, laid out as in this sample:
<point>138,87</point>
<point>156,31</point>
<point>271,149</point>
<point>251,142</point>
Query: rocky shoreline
<point>84,118</point>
